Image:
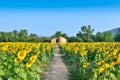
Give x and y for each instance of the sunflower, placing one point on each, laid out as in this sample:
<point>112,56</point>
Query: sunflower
<point>101,69</point>
<point>28,49</point>
<point>29,64</point>
<point>100,62</point>
<point>5,47</point>
<point>95,74</point>
<point>33,58</point>
<point>21,54</point>
<point>106,66</point>
<point>86,64</point>
<point>115,52</point>
<point>83,53</point>
<point>118,60</point>
<point>16,59</point>
<point>37,53</point>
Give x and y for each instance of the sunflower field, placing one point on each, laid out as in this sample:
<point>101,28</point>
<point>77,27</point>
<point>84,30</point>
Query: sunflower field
<point>24,60</point>
<point>92,61</point>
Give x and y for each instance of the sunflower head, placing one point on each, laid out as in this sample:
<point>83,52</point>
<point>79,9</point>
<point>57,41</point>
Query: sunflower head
<point>29,64</point>
<point>101,69</point>
<point>83,53</point>
<point>33,58</point>
<point>16,60</point>
<point>37,53</point>
<point>22,54</point>
<point>86,64</point>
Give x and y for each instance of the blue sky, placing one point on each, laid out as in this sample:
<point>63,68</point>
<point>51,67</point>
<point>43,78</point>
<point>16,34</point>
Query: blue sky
<point>45,17</point>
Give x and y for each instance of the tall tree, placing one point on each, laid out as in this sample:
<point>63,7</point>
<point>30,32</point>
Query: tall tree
<point>23,35</point>
<point>117,37</point>
<point>58,34</point>
<point>16,35</point>
<point>99,37</point>
<point>108,36</point>
<point>75,39</point>
<point>11,36</point>
<point>4,36</point>
<point>1,36</point>
<point>79,34</point>
<point>44,39</point>
<point>15,32</point>
<point>85,33</point>
<point>33,38</point>
<point>65,35</point>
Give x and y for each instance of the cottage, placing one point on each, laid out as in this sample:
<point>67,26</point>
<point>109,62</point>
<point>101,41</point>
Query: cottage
<point>59,40</point>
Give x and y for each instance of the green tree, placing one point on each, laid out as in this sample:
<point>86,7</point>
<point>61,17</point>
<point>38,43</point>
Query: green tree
<point>79,34</point>
<point>108,36</point>
<point>75,39</point>
<point>16,35</point>
<point>11,36</point>
<point>33,38</point>
<point>45,39</point>
<point>23,35</point>
<point>99,37</point>
<point>85,33</point>
<point>58,34</point>
<point>65,35</point>
<point>4,36</point>
<point>93,38</point>
<point>117,37</point>
<point>1,36</point>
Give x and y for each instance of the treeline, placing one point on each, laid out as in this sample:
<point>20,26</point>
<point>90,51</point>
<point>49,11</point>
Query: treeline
<point>84,35</point>
<point>21,36</point>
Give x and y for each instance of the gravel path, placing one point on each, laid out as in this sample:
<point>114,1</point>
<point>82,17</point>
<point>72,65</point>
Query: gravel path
<point>57,70</point>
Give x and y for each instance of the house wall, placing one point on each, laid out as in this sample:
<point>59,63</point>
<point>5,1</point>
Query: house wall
<point>62,40</point>
<point>53,40</point>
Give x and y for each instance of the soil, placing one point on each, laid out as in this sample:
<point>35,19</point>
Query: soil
<point>57,69</point>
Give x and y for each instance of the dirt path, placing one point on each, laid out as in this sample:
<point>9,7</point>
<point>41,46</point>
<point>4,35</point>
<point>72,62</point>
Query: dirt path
<point>57,70</point>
